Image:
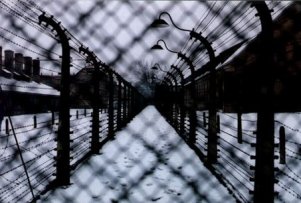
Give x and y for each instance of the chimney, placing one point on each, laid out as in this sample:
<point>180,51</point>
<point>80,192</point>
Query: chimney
<point>28,66</point>
<point>9,60</point>
<point>19,61</point>
<point>36,69</point>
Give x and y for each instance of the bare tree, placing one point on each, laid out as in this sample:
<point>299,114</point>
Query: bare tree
<point>143,77</point>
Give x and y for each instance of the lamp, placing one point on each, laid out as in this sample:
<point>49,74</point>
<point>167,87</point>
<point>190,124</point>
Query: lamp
<point>157,46</point>
<point>158,67</point>
<point>204,41</point>
<point>160,23</point>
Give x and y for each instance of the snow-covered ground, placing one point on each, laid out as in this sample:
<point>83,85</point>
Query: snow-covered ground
<point>234,160</point>
<point>147,162</point>
<point>37,144</point>
<point>27,87</point>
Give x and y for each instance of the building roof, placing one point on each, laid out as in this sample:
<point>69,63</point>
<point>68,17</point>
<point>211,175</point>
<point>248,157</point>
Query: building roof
<point>12,85</point>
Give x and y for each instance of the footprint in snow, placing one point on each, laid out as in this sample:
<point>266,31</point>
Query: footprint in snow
<point>95,196</point>
<point>156,199</point>
<point>149,184</point>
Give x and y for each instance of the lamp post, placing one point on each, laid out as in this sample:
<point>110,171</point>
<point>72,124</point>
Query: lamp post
<point>264,163</point>
<point>110,74</point>
<point>157,46</point>
<point>212,132</point>
<point>178,70</point>
<point>158,67</point>
<point>119,105</point>
<point>161,93</point>
<point>173,108</point>
<point>192,107</point>
<point>160,23</point>
<point>63,167</point>
<point>91,57</point>
<point>181,102</point>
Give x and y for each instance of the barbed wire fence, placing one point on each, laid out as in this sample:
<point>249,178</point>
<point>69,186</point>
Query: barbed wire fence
<point>80,95</point>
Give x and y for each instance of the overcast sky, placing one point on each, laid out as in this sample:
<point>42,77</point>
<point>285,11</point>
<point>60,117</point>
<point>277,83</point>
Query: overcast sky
<point>117,31</point>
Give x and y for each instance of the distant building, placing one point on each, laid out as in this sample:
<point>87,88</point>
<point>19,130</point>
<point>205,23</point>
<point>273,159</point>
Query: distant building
<point>82,87</point>
<point>20,88</point>
<point>237,80</point>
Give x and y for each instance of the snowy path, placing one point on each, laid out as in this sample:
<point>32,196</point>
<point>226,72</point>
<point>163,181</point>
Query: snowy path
<point>147,162</point>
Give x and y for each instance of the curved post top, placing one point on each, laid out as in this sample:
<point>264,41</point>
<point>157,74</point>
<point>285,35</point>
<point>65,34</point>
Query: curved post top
<point>173,77</point>
<point>170,74</point>
<point>265,16</point>
<point>186,59</point>
<point>167,72</point>
<point>90,55</point>
<point>178,70</point>
<point>266,35</point>
<point>56,26</point>
<point>205,42</point>
<point>167,80</point>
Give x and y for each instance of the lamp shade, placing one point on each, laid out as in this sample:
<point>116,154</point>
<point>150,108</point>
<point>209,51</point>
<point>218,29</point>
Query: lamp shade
<point>159,23</point>
<point>157,47</point>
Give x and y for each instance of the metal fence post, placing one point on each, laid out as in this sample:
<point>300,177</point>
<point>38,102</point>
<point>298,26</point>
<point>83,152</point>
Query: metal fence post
<point>119,103</point>
<point>174,93</point>
<point>239,128</point>
<point>192,108</point>
<point>124,104</point>
<point>95,103</point>
<point>111,103</point>
<point>132,102</point>
<point>34,121</point>
<point>264,163</point>
<point>52,118</point>
<point>218,124</point>
<point>63,138</point>
<point>204,120</point>
<point>6,126</point>
<point>282,147</point>
<point>181,101</point>
<point>212,131</point>
<point>129,103</point>
<point>212,122</point>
